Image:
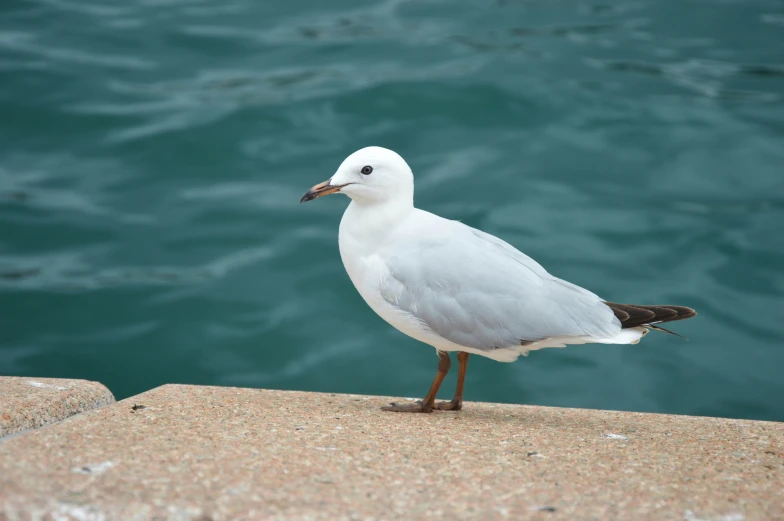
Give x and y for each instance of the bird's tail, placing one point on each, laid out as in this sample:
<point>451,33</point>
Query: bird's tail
<point>635,315</point>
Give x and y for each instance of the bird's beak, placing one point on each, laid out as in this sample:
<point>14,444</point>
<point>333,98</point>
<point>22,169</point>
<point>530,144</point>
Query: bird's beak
<point>320,189</point>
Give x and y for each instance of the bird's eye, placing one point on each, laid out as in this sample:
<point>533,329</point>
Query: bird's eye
<point>367,170</point>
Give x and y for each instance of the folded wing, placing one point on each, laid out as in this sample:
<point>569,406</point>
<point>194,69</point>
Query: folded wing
<point>477,291</point>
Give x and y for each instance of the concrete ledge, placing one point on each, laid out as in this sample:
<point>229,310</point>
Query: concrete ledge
<point>30,403</point>
<point>225,453</point>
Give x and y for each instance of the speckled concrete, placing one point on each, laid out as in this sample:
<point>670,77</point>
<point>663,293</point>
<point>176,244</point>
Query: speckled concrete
<point>30,403</point>
<point>224,453</point>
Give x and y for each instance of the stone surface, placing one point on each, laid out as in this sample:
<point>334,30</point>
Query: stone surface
<point>30,403</point>
<point>225,453</point>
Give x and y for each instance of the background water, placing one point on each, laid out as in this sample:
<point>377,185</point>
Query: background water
<point>153,153</point>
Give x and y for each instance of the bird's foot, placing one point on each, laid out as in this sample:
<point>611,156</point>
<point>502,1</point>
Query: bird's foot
<point>407,407</point>
<point>453,405</point>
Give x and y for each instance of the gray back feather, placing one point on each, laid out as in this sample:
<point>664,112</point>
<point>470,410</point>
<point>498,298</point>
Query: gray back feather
<point>477,291</point>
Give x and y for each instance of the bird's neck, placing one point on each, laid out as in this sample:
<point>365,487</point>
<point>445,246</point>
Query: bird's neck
<point>368,225</point>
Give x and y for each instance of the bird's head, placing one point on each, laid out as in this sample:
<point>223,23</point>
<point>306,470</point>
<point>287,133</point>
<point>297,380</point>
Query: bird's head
<point>371,175</point>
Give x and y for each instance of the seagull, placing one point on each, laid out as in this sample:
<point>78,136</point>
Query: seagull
<point>460,289</point>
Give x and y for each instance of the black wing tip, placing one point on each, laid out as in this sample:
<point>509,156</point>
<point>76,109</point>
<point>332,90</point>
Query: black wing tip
<point>636,315</point>
<point>664,330</point>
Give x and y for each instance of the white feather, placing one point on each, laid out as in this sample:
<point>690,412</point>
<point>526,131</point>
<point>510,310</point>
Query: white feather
<point>452,286</point>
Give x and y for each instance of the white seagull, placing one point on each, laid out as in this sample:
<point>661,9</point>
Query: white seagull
<point>457,288</point>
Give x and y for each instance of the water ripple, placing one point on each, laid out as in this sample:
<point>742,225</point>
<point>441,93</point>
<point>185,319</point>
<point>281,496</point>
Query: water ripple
<point>153,153</point>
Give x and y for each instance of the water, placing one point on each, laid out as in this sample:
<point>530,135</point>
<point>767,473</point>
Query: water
<point>153,153</point>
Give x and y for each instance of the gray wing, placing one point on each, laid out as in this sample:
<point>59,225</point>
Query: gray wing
<point>478,291</point>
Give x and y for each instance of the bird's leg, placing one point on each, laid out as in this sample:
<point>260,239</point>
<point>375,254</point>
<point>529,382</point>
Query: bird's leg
<point>457,402</point>
<point>426,405</point>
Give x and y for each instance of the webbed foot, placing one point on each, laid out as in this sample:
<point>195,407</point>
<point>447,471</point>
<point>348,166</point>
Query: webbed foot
<point>452,405</point>
<point>407,407</point>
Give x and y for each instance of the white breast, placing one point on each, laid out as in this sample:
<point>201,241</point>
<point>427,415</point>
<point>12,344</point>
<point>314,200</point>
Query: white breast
<point>359,242</point>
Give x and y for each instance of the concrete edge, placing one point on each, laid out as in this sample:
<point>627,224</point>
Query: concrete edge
<point>28,403</point>
<point>181,452</point>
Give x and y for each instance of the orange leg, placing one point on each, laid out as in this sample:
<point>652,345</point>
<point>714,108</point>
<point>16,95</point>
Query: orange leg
<point>457,402</point>
<point>426,405</point>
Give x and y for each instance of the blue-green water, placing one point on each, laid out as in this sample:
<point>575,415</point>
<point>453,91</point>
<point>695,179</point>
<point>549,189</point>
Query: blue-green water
<point>153,153</point>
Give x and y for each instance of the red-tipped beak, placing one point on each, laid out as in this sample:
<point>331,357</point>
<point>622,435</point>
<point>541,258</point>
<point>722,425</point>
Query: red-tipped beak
<point>319,190</point>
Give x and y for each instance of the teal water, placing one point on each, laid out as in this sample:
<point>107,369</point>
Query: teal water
<point>153,153</point>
